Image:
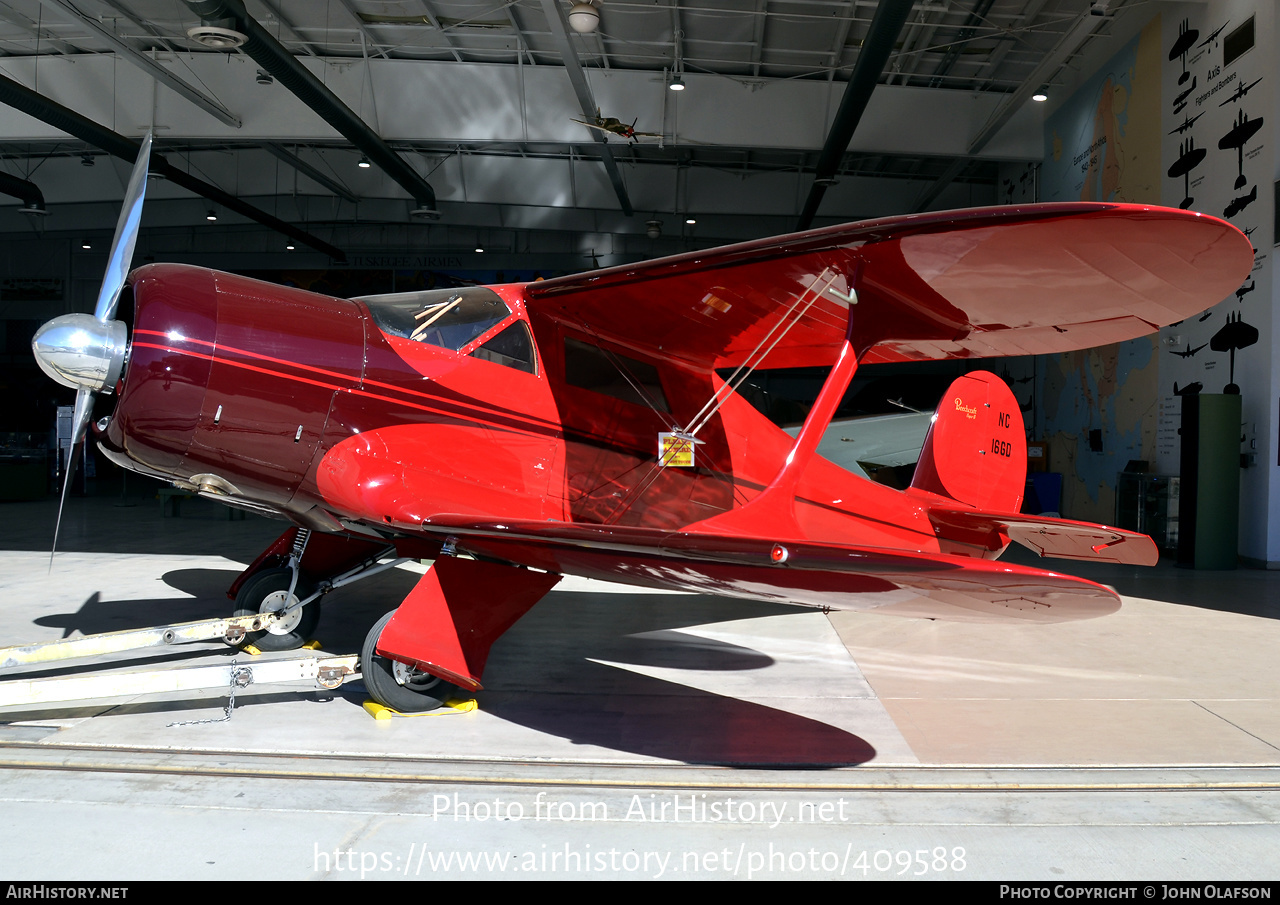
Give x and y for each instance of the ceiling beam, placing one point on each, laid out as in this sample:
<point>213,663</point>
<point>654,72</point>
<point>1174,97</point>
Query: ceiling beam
<point>1028,16</point>
<point>434,21</point>
<point>757,36</point>
<point>40,32</point>
<point>886,24</point>
<point>841,37</point>
<point>138,21</point>
<point>908,41</point>
<point>977,17</point>
<point>923,40</point>
<point>522,43</point>
<point>276,59</point>
<point>578,79</point>
<point>280,152</point>
<point>20,97</point>
<point>273,8</point>
<point>364,32</point>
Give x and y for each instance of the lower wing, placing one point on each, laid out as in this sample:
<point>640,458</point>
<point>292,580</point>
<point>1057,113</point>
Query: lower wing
<point>932,586</point>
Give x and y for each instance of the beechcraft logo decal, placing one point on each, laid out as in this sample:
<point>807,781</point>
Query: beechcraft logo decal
<point>970,412</point>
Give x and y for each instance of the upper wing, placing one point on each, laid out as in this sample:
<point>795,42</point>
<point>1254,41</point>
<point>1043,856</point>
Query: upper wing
<point>929,585</point>
<point>989,281</point>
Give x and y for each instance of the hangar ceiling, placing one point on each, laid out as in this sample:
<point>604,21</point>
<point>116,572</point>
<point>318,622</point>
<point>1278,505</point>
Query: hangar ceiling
<point>476,100</point>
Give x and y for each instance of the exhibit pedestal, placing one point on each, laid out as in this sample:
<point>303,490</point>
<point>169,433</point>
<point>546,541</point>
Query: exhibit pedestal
<point>1210,504</point>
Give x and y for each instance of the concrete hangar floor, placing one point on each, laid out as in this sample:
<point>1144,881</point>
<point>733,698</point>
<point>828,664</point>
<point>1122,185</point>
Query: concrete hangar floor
<point>626,733</point>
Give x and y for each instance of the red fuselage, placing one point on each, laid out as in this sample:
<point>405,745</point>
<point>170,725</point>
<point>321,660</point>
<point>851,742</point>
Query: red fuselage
<point>301,403</point>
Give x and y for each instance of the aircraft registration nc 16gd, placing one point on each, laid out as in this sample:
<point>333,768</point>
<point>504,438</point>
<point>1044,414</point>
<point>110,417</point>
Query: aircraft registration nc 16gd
<point>580,425</point>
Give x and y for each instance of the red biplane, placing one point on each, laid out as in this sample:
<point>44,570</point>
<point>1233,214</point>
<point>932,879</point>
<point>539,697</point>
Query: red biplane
<point>581,425</point>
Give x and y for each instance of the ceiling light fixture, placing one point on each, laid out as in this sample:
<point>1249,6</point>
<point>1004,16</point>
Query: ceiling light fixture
<point>677,69</point>
<point>1040,96</point>
<point>690,220</point>
<point>364,163</point>
<point>87,160</point>
<point>264,77</point>
<point>211,216</point>
<point>86,245</point>
<point>289,247</point>
<point>653,228</point>
<point>584,18</point>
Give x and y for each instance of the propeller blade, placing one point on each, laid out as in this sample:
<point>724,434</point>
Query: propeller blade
<point>109,349</point>
<point>125,239</point>
<point>79,424</point>
<point>83,412</point>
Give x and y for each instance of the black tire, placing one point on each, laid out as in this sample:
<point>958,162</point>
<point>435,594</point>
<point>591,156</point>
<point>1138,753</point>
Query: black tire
<point>421,691</point>
<point>266,593</point>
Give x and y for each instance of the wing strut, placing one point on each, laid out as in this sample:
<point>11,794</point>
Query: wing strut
<point>792,316</point>
<point>822,283</point>
<point>773,512</point>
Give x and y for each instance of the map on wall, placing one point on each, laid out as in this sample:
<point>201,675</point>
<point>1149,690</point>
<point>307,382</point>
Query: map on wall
<point>1103,144</point>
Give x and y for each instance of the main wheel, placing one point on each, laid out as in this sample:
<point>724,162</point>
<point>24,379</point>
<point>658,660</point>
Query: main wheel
<point>398,685</point>
<point>268,592</point>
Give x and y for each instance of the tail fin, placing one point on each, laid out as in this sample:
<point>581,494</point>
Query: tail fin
<point>976,448</point>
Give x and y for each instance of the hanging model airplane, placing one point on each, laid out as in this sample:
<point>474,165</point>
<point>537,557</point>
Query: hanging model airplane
<point>580,425</point>
<point>614,126</point>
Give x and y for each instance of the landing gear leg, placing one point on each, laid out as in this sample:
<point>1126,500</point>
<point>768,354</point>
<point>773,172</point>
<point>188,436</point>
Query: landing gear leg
<point>274,590</point>
<point>270,592</point>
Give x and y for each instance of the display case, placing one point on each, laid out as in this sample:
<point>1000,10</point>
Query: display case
<point>1148,503</point>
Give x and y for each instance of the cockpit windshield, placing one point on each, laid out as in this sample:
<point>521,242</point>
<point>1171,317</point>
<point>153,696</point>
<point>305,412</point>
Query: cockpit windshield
<point>442,317</point>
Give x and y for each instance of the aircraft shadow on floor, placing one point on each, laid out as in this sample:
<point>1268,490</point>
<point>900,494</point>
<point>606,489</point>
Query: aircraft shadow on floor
<point>547,678</point>
<point>544,673</point>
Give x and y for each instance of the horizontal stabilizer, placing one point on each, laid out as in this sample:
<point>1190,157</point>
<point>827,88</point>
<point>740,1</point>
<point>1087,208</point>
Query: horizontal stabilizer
<point>1055,537</point>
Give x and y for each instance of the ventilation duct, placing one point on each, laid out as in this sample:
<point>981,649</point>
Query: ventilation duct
<point>27,192</point>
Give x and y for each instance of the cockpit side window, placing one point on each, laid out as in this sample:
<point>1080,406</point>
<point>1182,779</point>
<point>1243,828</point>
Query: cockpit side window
<point>512,347</point>
<point>450,318</point>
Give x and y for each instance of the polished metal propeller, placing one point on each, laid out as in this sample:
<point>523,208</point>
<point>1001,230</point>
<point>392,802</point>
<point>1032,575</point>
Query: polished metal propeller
<point>87,352</point>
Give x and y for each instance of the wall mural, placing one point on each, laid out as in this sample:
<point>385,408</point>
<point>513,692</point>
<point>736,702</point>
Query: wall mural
<point>1093,408</point>
<point>1218,98</point>
<point>1019,184</point>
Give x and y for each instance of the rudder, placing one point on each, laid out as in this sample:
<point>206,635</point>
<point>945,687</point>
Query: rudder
<point>976,448</point>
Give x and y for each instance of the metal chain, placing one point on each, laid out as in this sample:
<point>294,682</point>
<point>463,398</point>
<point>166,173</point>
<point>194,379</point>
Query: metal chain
<point>241,677</point>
